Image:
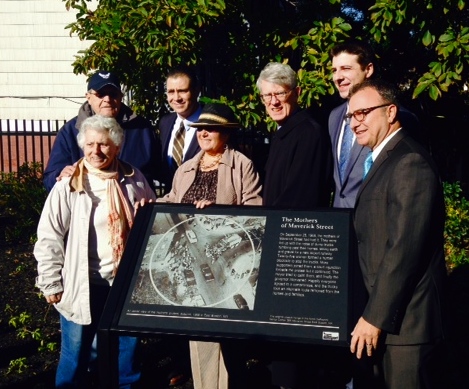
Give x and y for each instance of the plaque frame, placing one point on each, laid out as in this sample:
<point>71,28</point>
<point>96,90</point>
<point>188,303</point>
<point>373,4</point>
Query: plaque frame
<point>246,272</point>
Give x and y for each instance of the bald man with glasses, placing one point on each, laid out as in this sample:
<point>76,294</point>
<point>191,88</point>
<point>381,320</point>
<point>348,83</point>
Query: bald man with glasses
<point>399,220</point>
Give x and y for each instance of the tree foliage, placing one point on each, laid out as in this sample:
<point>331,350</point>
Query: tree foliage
<point>423,45</point>
<point>140,40</point>
<point>438,31</point>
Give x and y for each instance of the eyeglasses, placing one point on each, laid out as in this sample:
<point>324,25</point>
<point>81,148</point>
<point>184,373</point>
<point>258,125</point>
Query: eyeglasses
<point>112,93</point>
<point>360,114</point>
<point>280,96</point>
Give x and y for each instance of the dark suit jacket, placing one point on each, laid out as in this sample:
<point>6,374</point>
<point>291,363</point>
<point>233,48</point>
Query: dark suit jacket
<point>399,220</point>
<point>298,171</point>
<point>346,192</point>
<point>165,126</point>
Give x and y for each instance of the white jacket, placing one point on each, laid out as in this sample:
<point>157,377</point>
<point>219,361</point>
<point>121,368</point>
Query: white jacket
<point>62,246</point>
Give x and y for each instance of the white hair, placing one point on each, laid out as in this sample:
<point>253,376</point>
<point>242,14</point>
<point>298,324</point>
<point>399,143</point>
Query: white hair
<point>101,124</point>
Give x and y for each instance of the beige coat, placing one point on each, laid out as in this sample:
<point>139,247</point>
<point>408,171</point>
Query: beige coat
<point>238,181</point>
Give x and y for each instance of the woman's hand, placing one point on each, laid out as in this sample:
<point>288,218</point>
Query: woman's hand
<point>202,203</point>
<point>141,203</point>
<point>54,298</point>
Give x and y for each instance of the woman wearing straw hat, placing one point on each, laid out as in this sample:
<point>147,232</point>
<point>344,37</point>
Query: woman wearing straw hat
<point>218,174</point>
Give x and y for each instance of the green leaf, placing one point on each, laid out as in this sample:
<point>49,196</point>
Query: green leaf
<point>434,92</point>
<point>423,84</point>
<point>436,68</point>
<point>377,35</point>
<point>427,38</point>
<point>446,37</point>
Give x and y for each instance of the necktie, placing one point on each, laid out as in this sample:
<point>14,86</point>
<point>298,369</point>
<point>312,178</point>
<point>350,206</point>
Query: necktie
<point>367,165</point>
<point>347,141</point>
<point>178,144</point>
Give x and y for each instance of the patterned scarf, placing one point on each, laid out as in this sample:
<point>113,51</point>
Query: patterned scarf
<point>120,217</point>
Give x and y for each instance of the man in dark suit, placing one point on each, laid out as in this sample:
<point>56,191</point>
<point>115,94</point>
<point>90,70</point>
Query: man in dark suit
<point>399,220</point>
<point>298,175</point>
<point>353,61</point>
<point>182,91</point>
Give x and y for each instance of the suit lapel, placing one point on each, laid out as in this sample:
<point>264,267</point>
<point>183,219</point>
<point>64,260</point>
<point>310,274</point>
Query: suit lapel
<point>337,123</point>
<point>169,124</point>
<point>354,154</point>
<point>192,149</point>
<point>382,157</point>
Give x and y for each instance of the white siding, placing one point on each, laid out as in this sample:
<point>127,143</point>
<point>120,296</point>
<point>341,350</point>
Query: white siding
<point>36,55</point>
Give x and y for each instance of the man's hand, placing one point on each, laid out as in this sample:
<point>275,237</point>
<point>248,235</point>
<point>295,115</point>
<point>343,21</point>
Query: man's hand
<point>67,171</point>
<point>364,337</point>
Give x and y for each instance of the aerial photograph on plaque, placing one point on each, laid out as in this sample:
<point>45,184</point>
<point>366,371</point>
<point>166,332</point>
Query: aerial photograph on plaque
<point>201,260</point>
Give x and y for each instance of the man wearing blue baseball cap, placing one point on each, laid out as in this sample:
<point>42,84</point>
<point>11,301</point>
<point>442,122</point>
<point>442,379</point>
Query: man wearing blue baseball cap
<point>104,97</point>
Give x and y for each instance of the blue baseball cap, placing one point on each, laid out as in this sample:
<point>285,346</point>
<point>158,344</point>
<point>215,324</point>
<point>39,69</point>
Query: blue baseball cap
<point>103,78</point>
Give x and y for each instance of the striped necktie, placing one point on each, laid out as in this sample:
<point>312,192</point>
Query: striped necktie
<point>367,164</point>
<point>178,144</point>
<point>346,146</point>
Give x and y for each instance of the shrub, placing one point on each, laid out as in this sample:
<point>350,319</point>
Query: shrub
<point>456,226</point>
<point>22,197</point>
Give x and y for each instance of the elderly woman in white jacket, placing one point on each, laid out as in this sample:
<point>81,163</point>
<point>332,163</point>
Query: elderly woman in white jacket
<point>81,237</point>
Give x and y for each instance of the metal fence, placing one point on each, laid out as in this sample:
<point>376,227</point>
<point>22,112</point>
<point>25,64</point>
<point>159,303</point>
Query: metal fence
<point>26,141</point>
<point>31,141</point>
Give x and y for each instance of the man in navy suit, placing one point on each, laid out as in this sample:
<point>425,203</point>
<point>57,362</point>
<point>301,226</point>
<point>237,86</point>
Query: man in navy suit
<point>352,63</point>
<point>399,221</point>
<point>182,92</point>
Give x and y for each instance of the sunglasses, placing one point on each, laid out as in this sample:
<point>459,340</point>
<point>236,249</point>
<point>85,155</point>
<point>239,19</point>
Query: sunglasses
<point>112,93</point>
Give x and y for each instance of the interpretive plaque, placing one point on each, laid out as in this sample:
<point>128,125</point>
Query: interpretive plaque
<point>236,272</point>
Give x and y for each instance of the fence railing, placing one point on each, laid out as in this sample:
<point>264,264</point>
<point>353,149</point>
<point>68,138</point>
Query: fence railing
<point>26,141</point>
<point>31,141</point>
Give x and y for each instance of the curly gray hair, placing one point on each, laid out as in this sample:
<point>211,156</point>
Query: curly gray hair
<point>101,124</point>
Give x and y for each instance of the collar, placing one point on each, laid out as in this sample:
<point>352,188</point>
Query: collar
<point>378,149</point>
<point>190,119</point>
<point>226,159</point>
<point>85,111</point>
